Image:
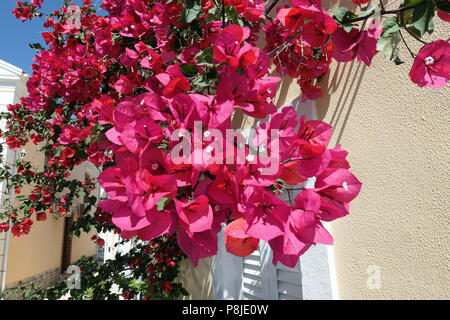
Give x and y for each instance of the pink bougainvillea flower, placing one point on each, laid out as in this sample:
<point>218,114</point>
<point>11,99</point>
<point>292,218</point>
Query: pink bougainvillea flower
<point>147,227</point>
<point>212,113</point>
<point>161,222</point>
<point>356,43</point>
<point>285,122</point>
<point>313,137</point>
<point>73,135</point>
<point>252,10</point>
<point>309,4</point>
<point>309,148</point>
<point>227,47</point>
<point>152,61</point>
<point>177,84</point>
<point>110,180</point>
<point>123,85</point>
<point>338,184</point>
<point>141,135</point>
<point>290,174</point>
<point>156,187</point>
<point>184,110</point>
<point>287,248</point>
<point>316,32</point>
<point>224,189</point>
<point>338,158</point>
<point>265,215</point>
<point>197,245</point>
<point>255,98</point>
<point>37,3</point>
<point>237,242</point>
<point>431,67</point>
<point>155,105</point>
<point>305,219</point>
<point>195,216</point>
<point>129,58</point>
<point>309,91</point>
<point>185,173</point>
<point>294,18</point>
<point>169,83</point>
<point>302,229</point>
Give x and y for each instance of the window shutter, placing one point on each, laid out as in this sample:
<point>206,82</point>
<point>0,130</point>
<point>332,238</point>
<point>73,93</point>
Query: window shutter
<point>253,284</point>
<point>289,282</point>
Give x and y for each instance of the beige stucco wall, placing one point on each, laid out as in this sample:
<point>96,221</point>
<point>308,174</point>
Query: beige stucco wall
<point>41,249</point>
<point>397,137</point>
<point>197,281</point>
<point>37,252</point>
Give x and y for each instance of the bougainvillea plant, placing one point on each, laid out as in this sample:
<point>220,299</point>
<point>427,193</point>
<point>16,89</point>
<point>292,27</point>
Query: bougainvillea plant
<point>146,91</point>
<point>148,271</point>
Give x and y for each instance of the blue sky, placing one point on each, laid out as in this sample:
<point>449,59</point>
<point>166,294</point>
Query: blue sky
<point>15,35</point>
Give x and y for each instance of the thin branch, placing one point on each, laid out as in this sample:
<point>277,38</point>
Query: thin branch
<point>292,189</point>
<point>383,12</point>
<point>284,45</point>
<point>289,195</point>
<point>271,7</point>
<point>411,34</point>
<point>415,37</point>
<point>406,44</point>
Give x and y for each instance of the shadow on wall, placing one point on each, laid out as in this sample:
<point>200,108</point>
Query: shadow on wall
<point>333,80</point>
<point>352,81</point>
<point>350,72</point>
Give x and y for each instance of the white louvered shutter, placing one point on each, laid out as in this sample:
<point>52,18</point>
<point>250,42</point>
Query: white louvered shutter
<point>261,280</point>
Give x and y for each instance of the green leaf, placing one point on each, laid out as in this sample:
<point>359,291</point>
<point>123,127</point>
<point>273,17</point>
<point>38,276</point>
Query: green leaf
<point>184,292</point>
<point>407,14</point>
<point>161,203</point>
<point>57,152</point>
<point>388,45</point>
<point>343,16</point>
<point>36,46</point>
<point>410,3</point>
<point>205,57</point>
<point>188,70</point>
<point>232,14</point>
<point>422,18</point>
<point>414,31</point>
<point>211,14</point>
<point>390,26</point>
<point>190,11</point>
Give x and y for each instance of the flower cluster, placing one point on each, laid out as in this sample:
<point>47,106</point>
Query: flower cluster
<point>147,93</point>
<point>299,40</point>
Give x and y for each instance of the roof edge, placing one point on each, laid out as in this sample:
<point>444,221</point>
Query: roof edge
<point>13,69</point>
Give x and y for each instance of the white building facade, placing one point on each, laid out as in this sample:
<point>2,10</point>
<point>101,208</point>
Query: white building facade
<point>12,88</point>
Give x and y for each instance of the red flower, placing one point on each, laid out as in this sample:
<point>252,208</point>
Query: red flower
<point>360,2</point>
<point>431,67</point>
<point>41,216</point>
<point>100,242</point>
<point>237,241</point>
<point>4,227</point>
